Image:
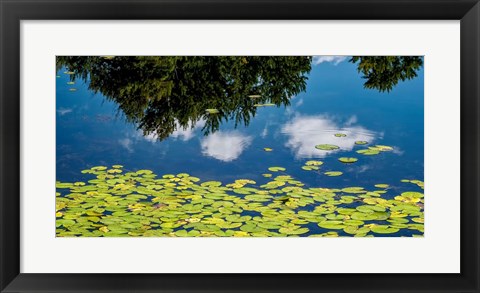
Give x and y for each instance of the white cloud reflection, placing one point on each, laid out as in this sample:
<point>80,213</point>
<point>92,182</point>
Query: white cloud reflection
<point>127,143</point>
<point>188,133</point>
<point>333,59</point>
<point>225,146</point>
<point>179,133</point>
<point>305,132</point>
<point>63,111</point>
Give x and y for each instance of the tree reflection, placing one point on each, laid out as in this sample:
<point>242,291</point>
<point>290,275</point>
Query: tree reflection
<point>162,94</point>
<point>384,72</point>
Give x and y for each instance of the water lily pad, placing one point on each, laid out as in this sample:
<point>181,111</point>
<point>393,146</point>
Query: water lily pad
<point>418,220</point>
<point>340,134</point>
<point>347,160</point>
<point>356,230</point>
<point>333,173</point>
<point>276,169</point>
<point>211,184</point>
<point>331,225</point>
<point>353,189</point>
<point>212,111</point>
<point>268,149</point>
<point>226,225</point>
<point>310,168</point>
<point>293,230</point>
<point>363,216</point>
<point>368,152</point>
<point>412,194</point>
<point>327,147</point>
<point>383,229</point>
<point>382,185</point>
<point>313,163</point>
<point>370,209</point>
<point>250,227</point>
<point>254,96</point>
<point>349,222</point>
<point>361,142</point>
<point>383,148</point>
<point>270,225</point>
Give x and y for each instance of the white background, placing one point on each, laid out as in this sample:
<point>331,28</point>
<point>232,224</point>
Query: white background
<point>437,252</point>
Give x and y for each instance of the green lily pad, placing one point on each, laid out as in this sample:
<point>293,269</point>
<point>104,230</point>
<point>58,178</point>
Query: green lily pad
<point>276,169</point>
<point>293,230</point>
<point>340,134</point>
<point>327,147</point>
<point>333,173</point>
<point>418,220</point>
<point>347,160</point>
<point>361,142</point>
<point>354,189</point>
<point>370,209</point>
<point>412,194</point>
<point>356,230</point>
<point>144,172</point>
<point>211,184</point>
<point>212,111</point>
<point>383,148</point>
<point>383,229</point>
<point>331,225</point>
<point>353,222</point>
<point>363,216</point>
<point>250,227</point>
<point>226,225</point>
<point>368,152</point>
<point>313,163</point>
<point>268,149</point>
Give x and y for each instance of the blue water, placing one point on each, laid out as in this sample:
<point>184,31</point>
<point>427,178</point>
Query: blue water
<point>91,132</point>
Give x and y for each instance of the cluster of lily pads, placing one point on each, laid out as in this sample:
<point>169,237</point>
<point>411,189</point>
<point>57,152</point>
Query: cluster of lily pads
<point>118,203</point>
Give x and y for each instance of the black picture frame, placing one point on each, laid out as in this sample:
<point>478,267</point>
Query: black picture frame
<point>13,11</point>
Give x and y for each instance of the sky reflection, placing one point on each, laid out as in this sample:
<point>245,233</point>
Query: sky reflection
<point>305,132</point>
<point>91,131</point>
<point>225,146</point>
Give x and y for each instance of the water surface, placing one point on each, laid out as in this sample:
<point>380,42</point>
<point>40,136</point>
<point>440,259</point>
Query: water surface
<point>93,131</point>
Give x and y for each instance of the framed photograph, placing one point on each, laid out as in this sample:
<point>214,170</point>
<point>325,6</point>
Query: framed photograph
<point>194,146</point>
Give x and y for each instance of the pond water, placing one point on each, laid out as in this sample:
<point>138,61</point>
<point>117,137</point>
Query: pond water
<point>334,108</point>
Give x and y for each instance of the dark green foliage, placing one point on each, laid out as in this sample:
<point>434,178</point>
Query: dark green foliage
<point>384,72</point>
<point>160,94</point>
